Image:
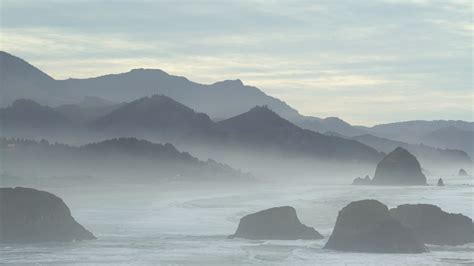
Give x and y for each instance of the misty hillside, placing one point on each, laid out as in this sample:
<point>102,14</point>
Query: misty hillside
<point>329,124</point>
<point>425,154</point>
<point>89,109</point>
<point>28,114</point>
<point>158,116</point>
<point>262,128</point>
<point>413,131</point>
<point>114,158</point>
<point>451,137</point>
<point>219,100</point>
<point>21,80</point>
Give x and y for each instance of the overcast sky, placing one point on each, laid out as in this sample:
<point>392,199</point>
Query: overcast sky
<point>364,61</point>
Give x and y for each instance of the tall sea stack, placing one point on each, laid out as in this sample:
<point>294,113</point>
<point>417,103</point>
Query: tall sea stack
<point>399,167</point>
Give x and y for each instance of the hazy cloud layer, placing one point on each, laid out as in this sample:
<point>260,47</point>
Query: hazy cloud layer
<point>365,61</point>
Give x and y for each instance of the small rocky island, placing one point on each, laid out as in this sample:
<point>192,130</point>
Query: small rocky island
<point>366,226</point>
<point>399,167</point>
<point>440,182</point>
<point>28,216</point>
<point>462,172</point>
<point>280,223</point>
<point>435,226</point>
<point>362,181</point>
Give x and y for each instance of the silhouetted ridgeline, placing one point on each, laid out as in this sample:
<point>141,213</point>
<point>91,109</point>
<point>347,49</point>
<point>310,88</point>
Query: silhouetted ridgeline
<point>220,100</point>
<point>158,116</point>
<point>425,154</point>
<point>123,157</point>
<point>261,127</point>
<point>29,115</point>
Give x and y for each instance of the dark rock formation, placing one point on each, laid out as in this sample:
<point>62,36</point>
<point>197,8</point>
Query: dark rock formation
<point>362,181</point>
<point>28,215</point>
<point>366,226</point>
<point>275,223</point>
<point>462,172</point>
<point>399,168</point>
<point>440,182</point>
<point>433,225</point>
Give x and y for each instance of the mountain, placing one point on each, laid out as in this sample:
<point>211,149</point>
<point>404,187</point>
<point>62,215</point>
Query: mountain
<point>157,115</point>
<point>451,137</point>
<point>219,100</point>
<point>329,124</point>
<point>89,109</point>
<point>413,131</point>
<point>27,114</point>
<point>426,155</point>
<point>262,128</point>
<point>123,158</point>
<point>20,80</point>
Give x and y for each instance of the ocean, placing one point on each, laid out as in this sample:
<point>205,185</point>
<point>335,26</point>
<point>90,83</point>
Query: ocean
<point>184,224</point>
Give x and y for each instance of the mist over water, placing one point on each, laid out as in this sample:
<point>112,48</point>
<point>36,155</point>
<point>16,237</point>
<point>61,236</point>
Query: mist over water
<point>188,224</point>
<point>139,166</point>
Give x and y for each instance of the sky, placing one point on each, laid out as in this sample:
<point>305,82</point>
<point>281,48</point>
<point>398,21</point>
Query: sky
<point>366,62</point>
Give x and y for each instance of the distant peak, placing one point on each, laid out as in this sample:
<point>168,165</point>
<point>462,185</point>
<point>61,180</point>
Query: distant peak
<point>400,150</point>
<point>230,82</point>
<point>24,103</point>
<point>148,70</point>
<point>261,109</point>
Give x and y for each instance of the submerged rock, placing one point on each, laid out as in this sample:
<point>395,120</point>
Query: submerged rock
<point>275,223</point>
<point>435,226</point>
<point>28,215</point>
<point>362,181</point>
<point>440,182</point>
<point>366,226</point>
<point>462,172</point>
<point>399,168</point>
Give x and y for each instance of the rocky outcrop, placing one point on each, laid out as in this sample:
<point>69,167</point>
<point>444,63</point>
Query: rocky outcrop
<point>440,182</point>
<point>399,168</point>
<point>28,215</point>
<point>366,226</point>
<point>462,172</point>
<point>433,225</point>
<point>362,181</point>
<point>275,223</point>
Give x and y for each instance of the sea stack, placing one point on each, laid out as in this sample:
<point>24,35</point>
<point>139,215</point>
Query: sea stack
<point>440,182</point>
<point>462,172</point>
<point>399,167</point>
<point>435,226</point>
<point>28,216</point>
<point>276,223</point>
<point>366,226</point>
<point>362,181</point>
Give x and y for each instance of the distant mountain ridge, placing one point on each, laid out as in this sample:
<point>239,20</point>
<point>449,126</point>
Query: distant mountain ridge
<point>261,127</point>
<point>28,114</point>
<point>220,100</point>
<point>427,155</point>
<point>160,115</point>
<point>124,157</point>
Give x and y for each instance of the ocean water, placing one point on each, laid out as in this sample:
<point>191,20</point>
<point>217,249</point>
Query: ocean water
<point>182,224</point>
